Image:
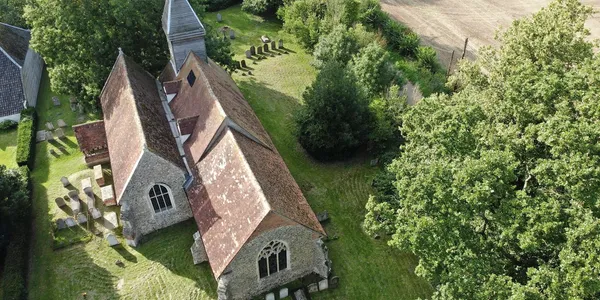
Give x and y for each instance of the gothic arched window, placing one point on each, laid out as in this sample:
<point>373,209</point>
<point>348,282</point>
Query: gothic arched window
<point>272,259</point>
<point>160,198</point>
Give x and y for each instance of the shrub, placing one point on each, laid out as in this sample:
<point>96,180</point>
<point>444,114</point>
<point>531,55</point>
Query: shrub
<point>26,139</point>
<point>335,119</point>
<point>13,281</point>
<point>261,7</point>
<point>400,37</point>
<point>370,14</point>
<point>373,69</point>
<point>214,5</point>
<point>303,19</point>
<point>338,45</point>
<point>8,125</point>
<point>427,58</point>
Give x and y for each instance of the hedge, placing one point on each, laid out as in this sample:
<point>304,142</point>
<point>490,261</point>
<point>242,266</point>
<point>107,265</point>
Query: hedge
<point>15,267</point>
<point>26,138</point>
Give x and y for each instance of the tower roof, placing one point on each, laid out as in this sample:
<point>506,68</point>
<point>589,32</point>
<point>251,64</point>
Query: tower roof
<point>179,18</point>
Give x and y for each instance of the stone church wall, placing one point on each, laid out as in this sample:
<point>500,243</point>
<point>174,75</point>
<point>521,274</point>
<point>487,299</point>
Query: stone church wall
<point>31,75</point>
<point>136,209</point>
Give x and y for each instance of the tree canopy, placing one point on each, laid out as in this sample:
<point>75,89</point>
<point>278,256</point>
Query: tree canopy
<point>11,12</point>
<point>14,201</point>
<point>498,184</point>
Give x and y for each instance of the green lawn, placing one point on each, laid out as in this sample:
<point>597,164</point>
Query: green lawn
<point>368,268</point>
<point>162,267</point>
<point>8,148</point>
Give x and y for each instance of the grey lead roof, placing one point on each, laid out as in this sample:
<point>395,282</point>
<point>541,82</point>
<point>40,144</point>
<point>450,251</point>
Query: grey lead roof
<point>12,98</point>
<point>14,41</point>
<point>179,18</point>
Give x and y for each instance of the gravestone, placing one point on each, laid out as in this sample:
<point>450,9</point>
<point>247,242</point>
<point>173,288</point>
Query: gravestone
<point>252,50</point>
<point>70,222</point>
<point>374,162</point>
<point>323,285</point>
<point>273,45</point>
<point>49,126</point>
<point>259,50</point>
<point>243,63</point>
<point>60,224</point>
<point>55,101</point>
<point>40,136</point>
<point>284,292</point>
<point>280,46</point>
<point>299,295</point>
<point>60,202</point>
<point>248,54</point>
<point>90,197</point>
<point>334,282</point>
<point>99,175</point>
<point>219,18</point>
<point>75,206</point>
<point>266,46</point>
<point>72,100</point>
<point>110,220</point>
<point>65,182</point>
<point>95,213</point>
<point>53,152</point>
<point>108,195</point>
<point>313,288</point>
<point>73,107</point>
<point>81,108</point>
<point>323,216</point>
<point>61,123</point>
<point>112,240</point>
<point>265,39</point>
<point>270,296</point>
<point>49,136</point>
<point>60,133</point>
<point>85,183</point>
<point>81,219</point>
<point>232,34</point>
<point>239,64</point>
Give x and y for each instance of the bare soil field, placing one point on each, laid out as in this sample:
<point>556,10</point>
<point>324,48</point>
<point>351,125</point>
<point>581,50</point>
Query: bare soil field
<point>444,24</point>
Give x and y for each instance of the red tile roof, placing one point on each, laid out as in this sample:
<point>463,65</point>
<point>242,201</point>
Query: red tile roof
<point>91,138</point>
<point>134,120</point>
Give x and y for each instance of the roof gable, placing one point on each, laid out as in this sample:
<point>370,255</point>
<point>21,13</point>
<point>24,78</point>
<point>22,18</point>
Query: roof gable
<point>12,98</point>
<point>14,42</point>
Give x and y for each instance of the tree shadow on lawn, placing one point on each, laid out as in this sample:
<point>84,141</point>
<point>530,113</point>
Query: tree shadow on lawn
<point>171,248</point>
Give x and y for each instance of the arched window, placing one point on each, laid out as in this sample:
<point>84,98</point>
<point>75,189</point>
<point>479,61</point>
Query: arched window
<point>272,259</point>
<point>160,198</point>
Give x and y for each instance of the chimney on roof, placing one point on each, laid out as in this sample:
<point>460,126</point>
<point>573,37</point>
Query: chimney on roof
<point>185,33</point>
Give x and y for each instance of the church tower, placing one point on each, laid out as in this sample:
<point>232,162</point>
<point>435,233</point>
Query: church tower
<point>184,32</point>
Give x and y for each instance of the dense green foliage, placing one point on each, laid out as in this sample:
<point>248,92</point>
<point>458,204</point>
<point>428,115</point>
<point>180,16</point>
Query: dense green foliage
<point>14,201</point>
<point>79,40</point>
<point>26,138</point>
<point>335,119</point>
<point>15,267</point>
<point>387,111</point>
<point>303,19</point>
<point>8,125</point>
<point>497,184</point>
<point>261,7</point>
<point>214,5</point>
<point>11,12</point>
<point>338,45</point>
<point>427,58</point>
<point>373,69</point>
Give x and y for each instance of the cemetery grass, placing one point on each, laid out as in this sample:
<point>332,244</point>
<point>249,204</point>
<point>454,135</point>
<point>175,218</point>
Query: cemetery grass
<point>161,268</point>
<point>8,148</point>
<point>368,268</point>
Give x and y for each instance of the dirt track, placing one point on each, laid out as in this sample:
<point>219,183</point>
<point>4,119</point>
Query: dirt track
<point>444,24</point>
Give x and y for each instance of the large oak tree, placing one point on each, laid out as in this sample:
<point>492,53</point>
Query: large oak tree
<point>499,184</point>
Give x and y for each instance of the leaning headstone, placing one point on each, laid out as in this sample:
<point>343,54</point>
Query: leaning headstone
<point>60,133</point>
<point>252,50</point>
<point>40,136</point>
<point>299,295</point>
<point>61,123</point>
<point>323,216</point>
<point>219,18</point>
<point>60,202</point>
<point>112,240</point>
<point>95,213</point>
<point>259,50</point>
<point>232,34</point>
<point>284,292</point>
<point>273,45</point>
<point>280,46</point>
<point>313,288</point>
<point>55,101</point>
<point>49,126</point>
<point>99,175</point>
<point>265,39</point>
<point>334,282</point>
<point>243,63</point>
<point>65,182</point>
<point>81,219</point>
<point>70,222</point>
<point>49,136</point>
<point>248,54</point>
<point>60,224</point>
<point>266,46</point>
<point>270,296</point>
<point>110,220</point>
<point>86,182</point>
<point>323,285</point>
<point>108,195</point>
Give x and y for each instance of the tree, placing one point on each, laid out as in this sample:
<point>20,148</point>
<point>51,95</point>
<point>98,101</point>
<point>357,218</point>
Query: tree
<point>79,40</point>
<point>498,184</point>
<point>303,18</point>
<point>335,117</point>
<point>261,7</point>
<point>14,201</point>
<point>11,12</point>
<point>387,112</point>
<point>339,45</point>
<point>373,69</point>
